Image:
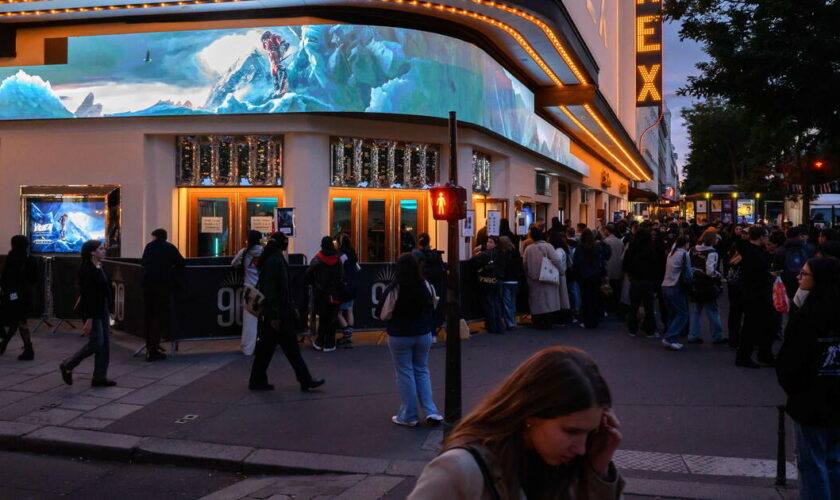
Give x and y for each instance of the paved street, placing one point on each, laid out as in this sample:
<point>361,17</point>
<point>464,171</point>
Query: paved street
<point>695,426</point>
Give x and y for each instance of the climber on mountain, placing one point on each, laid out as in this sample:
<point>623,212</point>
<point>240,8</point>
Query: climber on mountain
<point>276,48</point>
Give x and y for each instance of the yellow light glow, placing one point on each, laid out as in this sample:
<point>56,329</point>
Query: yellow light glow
<point>581,126</point>
<point>734,195</point>
<point>643,31</point>
<point>649,85</point>
<point>636,166</point>
<point>708,196</point>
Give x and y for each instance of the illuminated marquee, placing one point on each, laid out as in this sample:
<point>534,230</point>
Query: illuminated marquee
<point>648,53</point>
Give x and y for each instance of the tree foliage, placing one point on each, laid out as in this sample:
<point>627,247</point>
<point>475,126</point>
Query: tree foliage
<point>774,66</point>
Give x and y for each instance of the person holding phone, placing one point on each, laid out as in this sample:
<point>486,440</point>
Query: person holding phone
<point>96,301</point>
<point>548,431</point>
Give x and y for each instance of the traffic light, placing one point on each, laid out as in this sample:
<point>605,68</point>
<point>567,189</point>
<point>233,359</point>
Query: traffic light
<point>448,202</point>
<point>818,164</point>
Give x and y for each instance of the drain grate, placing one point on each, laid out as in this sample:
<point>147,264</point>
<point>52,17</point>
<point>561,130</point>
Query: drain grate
<point>186,419</point>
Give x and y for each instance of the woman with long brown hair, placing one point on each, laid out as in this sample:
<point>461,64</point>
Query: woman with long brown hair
<point>547,432</point>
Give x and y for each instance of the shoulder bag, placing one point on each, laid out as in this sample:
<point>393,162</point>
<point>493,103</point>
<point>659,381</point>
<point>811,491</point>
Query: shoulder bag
<point>549,273</point>
<point>485,472</point>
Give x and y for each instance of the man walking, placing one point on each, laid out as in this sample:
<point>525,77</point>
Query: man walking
<point>277,318</point>
<point>615,273</point>
<point>161,260</point>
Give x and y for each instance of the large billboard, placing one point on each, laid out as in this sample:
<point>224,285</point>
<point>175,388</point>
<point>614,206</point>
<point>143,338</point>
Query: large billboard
<point>648,53</point>
<point>311,68</point>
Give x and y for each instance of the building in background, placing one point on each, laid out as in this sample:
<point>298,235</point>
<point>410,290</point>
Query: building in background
<point>205,117</point>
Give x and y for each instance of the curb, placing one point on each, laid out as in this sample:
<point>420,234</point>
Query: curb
<point>53,440</point>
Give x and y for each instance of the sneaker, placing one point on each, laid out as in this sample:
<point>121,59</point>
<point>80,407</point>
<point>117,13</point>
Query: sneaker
<point>329,349</point>
<point>673,346</point>
<point>404,424</point>
<point>654,335</point>
<point>631,334</point>
<point>316,346</point>
<point>694,340</point>
<point>434,419</point>
<point>345,342</point>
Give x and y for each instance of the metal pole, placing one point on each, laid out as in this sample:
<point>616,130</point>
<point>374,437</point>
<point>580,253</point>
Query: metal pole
<point>452,403</point>
<point>781,463</point>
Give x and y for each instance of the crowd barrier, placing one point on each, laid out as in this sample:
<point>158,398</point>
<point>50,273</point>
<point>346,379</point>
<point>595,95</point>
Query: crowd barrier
<point>207,296</point>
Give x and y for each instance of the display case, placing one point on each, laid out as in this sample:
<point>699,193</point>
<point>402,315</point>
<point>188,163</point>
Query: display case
<point>59,219</point>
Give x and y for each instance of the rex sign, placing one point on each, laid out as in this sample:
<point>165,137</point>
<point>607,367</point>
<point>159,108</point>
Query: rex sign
<point>648,53</point>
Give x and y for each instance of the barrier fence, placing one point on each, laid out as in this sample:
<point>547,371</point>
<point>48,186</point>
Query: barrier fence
<point>207,295</point>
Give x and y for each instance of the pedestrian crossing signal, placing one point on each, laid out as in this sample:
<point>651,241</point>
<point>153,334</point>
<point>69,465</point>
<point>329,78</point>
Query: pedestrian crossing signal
<point>448,202</point>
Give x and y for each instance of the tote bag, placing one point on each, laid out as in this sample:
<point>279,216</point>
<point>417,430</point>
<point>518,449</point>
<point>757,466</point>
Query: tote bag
<point>549,273</point>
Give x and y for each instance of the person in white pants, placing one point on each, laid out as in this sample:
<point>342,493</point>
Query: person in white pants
<point>247,259</point>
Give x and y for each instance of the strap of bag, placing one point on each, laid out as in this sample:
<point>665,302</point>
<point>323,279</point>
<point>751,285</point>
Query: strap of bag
<point>488,479</point>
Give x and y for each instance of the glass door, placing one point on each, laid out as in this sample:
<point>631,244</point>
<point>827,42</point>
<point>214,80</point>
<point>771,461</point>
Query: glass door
<point>213,229</point>
<point>218,219</point>
<point>376,224</point>
<point>409,221</point>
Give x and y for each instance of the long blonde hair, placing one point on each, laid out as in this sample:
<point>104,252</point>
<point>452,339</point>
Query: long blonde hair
<point>553,382</point>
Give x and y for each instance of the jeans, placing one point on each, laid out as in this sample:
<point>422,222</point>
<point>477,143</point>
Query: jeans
<point>411,364</point>
<point>492,301</point>
<point>641,294</point>
<point>574,296</point>
<point>98,344</point>
<point>818,461</point>
<point>509,304</point>
<point>712,312</point>
<point>677,312</point>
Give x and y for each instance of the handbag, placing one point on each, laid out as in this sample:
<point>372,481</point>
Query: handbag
<point>549,273</point>
<point>253,299</point>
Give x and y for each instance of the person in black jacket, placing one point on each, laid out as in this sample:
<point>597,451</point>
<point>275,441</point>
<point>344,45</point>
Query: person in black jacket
<point>640,263</point>
<point>16,283</point>
<point>96,301</point>
<point>490,270</point>
<point>326,276</point>
<point>757,280</point>
<point>278,315</point>
<point>161,260</point>
<point>808,369</point>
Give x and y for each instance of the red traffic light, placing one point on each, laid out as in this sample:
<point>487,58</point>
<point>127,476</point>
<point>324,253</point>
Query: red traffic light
<point>448,202</point>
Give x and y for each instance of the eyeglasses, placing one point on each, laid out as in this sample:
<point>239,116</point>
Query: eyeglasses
<point>803,273</point>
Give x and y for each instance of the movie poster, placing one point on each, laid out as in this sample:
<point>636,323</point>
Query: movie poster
<point>63,226</point>
<point>285,218</point>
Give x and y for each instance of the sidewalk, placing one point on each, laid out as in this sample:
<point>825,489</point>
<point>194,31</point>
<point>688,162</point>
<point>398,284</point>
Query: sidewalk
<point>687,417</point>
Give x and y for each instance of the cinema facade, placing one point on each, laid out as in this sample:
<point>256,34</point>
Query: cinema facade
<point>206,117</point>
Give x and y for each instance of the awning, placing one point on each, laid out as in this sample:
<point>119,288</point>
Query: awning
<point>641,195</point>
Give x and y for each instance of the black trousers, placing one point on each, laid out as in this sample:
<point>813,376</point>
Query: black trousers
<point>592,301</point>
<point>613,303</point>
<point>158,300</point>
<point>267,340</point>
<point>758,329</point>
<point>736,312</point>
<point>641,294</point>
<point>327,315</point>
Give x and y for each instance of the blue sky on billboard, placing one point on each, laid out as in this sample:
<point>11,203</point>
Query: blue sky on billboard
<point>680,60</point>
<point>283,69</point>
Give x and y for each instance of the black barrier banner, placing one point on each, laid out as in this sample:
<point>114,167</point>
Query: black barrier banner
<point>65,289</point>
<point>207,300</point>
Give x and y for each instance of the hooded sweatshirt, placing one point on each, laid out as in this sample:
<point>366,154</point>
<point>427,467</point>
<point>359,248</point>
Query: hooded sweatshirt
<point>326,276</point>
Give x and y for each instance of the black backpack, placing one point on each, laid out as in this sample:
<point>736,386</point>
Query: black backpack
<point>703,287</point>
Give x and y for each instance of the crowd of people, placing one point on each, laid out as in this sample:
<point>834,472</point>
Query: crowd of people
<point>783,283</point>
<point>659,276</point>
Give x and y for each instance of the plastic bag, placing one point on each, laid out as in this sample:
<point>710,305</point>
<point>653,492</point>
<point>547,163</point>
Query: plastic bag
<point>780,299</point>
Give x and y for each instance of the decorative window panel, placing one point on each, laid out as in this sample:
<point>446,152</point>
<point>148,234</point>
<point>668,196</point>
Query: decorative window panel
<point>378,163</point>
<point>481,173</point>
<point>253,160</point>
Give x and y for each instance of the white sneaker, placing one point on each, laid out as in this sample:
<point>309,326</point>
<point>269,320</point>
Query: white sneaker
<point>316,346</point>
<point>673,346</point>
<point>404,424</point>
<point>329,349</point>
<point>434,419</point>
